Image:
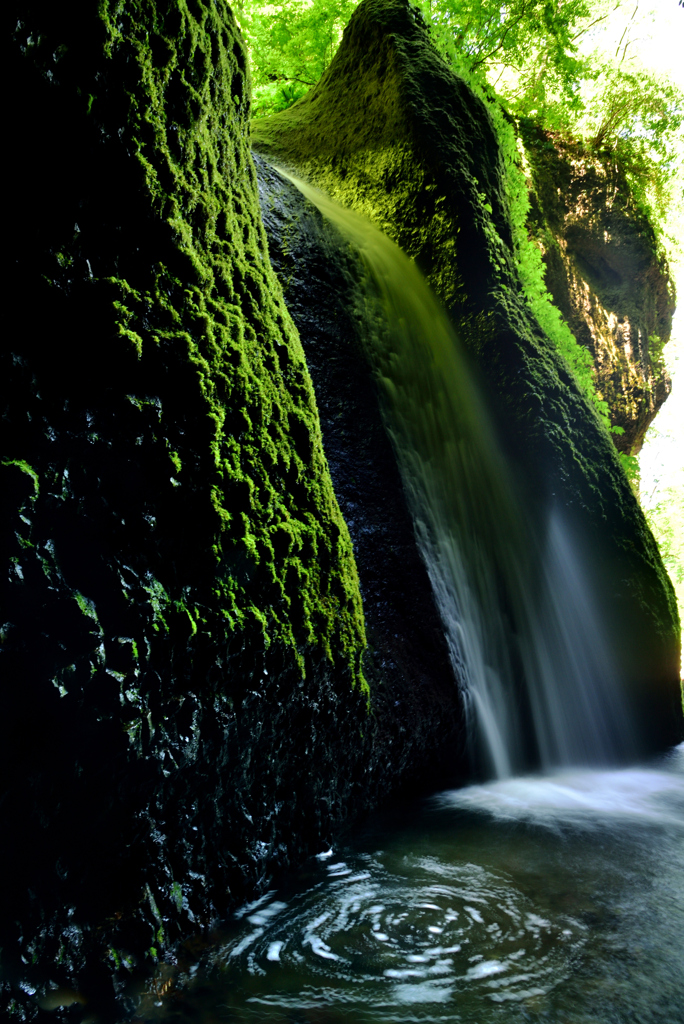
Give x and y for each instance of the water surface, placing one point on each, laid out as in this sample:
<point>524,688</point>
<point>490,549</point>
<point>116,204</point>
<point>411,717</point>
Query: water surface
<point>548,898</point>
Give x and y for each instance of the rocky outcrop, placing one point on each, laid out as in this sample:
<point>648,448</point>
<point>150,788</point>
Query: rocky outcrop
<point>605,275</point>
<point>391,132</point>
<point>184,709</point>
<point>182,621</point>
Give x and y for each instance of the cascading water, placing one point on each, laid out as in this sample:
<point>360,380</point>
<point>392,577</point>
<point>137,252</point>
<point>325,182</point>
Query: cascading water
<point>523,627</point>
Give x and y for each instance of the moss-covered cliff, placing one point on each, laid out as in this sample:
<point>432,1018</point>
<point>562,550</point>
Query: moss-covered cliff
<point>605,275</point>
<point>391,132</point>
<point>416,714</point>
<point>183,710</point>
<point>182,628</point>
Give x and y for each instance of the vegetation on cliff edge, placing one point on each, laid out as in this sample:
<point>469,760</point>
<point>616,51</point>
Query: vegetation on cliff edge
<point>526,59</point>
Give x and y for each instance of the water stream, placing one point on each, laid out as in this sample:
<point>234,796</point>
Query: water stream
<point>525,631</point>
<point>556,898</point>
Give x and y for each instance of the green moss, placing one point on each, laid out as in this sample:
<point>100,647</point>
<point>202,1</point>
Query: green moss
<point>530,267</point>
<point>224,309</point>
<point>86,606</point>
<point>177,896</point>
<point>24,467</point>
<point>184,556</point>
<point>602,266</point>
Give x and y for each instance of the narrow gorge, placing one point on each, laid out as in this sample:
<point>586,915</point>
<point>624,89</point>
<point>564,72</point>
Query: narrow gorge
<point>304,516</point>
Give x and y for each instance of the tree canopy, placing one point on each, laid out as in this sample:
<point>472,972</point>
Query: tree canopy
<point>528,55</point>
<point>291,44</point>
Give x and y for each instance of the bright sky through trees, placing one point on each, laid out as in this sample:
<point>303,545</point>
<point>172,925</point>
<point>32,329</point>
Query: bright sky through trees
<point>652,30</point>
<point>656,34</point>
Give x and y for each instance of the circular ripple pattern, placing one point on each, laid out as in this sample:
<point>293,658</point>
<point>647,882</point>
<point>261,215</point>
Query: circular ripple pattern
<point>417,933</point>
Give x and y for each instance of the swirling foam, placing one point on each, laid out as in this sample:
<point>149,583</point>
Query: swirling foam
<point>425,935</point>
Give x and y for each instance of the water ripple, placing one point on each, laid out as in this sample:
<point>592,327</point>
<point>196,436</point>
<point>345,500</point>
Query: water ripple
<point>424,934</point>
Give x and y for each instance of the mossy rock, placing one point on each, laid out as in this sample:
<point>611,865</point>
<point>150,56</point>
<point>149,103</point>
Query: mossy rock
<point>183,701</point>
<point>417,716</point>
<point>604,271</point>
<point>392,133</point>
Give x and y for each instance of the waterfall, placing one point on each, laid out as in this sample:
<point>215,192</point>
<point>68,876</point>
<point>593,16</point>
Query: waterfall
<point>522,623</point>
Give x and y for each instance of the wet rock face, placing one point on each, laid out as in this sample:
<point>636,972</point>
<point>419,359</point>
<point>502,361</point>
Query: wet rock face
<point>183,706</point>
<point>605,277</point>
<point>416,716</point>
<point>390,132</point>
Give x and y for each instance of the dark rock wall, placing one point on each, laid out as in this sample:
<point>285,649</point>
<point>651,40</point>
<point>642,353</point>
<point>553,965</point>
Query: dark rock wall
<point>415,710</point>
<point>391,132</point>
<point>182,703</point>
<point>605,276</point>
<point>184,710</point>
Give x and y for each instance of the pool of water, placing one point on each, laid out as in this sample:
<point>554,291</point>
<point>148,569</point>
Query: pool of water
<point>556,898</point>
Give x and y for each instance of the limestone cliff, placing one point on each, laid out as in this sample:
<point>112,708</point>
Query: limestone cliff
<point>391,132</point>
<point>604,274</point>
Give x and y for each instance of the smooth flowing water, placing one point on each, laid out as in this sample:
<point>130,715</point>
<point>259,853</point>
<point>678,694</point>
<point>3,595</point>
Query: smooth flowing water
<point>546,898</point>
<point>527,641</point>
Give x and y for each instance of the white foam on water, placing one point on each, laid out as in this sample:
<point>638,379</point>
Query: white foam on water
<point>265,913</point>
<point>428,992</point>
<point>579,796</point>
<point>247,941</point>
<point>486,969</point>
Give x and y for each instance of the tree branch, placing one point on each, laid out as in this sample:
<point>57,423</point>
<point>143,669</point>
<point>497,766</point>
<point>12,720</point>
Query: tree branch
<point>508,28</point>
<point>626,30</point>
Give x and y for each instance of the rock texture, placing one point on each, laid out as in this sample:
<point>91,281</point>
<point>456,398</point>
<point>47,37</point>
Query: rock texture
<point>414,703</point>
<point>182,621</point>
<point>184,706</point>
<point>392,133</point>
<point>184,709</point>
<point>605,275</point>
